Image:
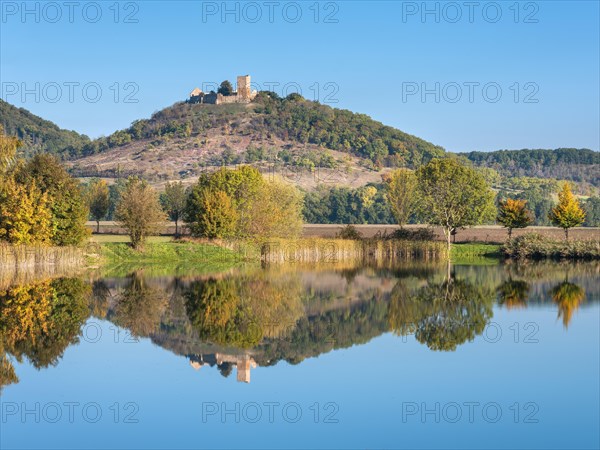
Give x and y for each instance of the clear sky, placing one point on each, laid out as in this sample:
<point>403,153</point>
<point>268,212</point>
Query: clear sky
<point>464,75</point>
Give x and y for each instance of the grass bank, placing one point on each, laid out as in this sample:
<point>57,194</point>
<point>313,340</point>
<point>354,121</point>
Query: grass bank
<point>164,251</point>
<point>475,253</point>
<point>162,255</point>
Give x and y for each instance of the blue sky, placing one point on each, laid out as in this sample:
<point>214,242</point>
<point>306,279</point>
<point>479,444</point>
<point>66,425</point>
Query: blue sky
<point>484,77</point>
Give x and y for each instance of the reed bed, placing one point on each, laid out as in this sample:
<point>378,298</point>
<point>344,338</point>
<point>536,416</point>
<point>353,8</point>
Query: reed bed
<point>23,262</point>
<point>366,251</point>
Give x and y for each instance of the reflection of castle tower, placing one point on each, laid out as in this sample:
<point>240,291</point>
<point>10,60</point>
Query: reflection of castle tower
<point>244,363</point>
<point>243,368</point>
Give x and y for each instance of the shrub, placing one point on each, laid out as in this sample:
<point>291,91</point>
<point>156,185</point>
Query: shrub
<point>349,232</point>
<point>536,246</point>
<point>420,234</point>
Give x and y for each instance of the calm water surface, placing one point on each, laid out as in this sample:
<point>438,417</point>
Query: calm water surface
<point>418,356</point>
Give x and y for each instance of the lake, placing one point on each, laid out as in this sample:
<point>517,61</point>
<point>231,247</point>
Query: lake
<point>411,356</point>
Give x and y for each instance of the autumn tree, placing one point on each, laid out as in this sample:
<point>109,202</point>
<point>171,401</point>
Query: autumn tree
<point>65,196</point>
<point>25,216</point>
<point>99,200</point>
<point>401,193</point>
<point>173,201</point>
<point>452,195</point>
<point>276,211</point>
<point>568,213</point>
<point>139,211</point>
<point>211,213</point>
<point>514,214</point>
<point>240,203</point>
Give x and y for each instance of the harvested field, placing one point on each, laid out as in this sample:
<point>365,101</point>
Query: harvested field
<point>489,234</point>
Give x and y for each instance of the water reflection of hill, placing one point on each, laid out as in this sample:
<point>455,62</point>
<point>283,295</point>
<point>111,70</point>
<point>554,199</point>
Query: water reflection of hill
<point>263,316</point>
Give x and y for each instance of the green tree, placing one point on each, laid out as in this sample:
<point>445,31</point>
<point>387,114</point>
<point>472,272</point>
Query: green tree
<point>65,196</point>
<point>514,214</point>
<point>592,212</point>
<point>453,196</point>
<point>99,200</point>
<point>401,186</point>
<point>173,201</point>
<point>539,202</point>
<point>139,211</point>
<point>568,213</point>
<point>225,88</point>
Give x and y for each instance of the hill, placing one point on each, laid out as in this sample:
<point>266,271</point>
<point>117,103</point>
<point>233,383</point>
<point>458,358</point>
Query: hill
<point>39,135</point>
<point>179,141</point>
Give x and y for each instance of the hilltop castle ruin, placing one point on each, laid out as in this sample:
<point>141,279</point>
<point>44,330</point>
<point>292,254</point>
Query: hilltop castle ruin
<point>244,94</point>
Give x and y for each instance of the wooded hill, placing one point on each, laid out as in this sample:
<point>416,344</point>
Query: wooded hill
<point>39,135</point>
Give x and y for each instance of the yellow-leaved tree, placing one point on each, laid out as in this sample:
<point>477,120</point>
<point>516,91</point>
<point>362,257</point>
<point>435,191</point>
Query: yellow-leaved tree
<point>25,216</point>
<point>568,213</point>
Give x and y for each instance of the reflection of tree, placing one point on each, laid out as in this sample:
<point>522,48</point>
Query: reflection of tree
<point>567,296</point>
<point>99,301</point>
<point>215,310</point>
<point>342,327</point>
<point>225,369</point>
<point>240,311</point>
<point>139,307</point>
<point>404,308</point>
<point>513,293</point>
<point>7,371</point>
<point>39,321</point>
<point>442,315</point>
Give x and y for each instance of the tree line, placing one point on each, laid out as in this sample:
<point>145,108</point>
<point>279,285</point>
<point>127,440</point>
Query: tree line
<point>453,195</point>
<point>228,203</point>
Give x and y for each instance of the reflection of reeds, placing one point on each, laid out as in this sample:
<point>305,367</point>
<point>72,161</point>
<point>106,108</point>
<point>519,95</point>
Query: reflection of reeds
<point>21,263</point>
<point>372,251</point>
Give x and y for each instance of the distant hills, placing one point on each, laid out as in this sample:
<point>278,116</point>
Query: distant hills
<point>581,165</point>
<point>179,141</point>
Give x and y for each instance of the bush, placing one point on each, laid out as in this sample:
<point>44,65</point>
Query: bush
<point>349,232</point>
<point>420,234</point>
<point>536,246</point>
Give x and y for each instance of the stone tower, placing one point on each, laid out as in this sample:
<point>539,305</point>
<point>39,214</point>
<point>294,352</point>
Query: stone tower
<point>244,91</point>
